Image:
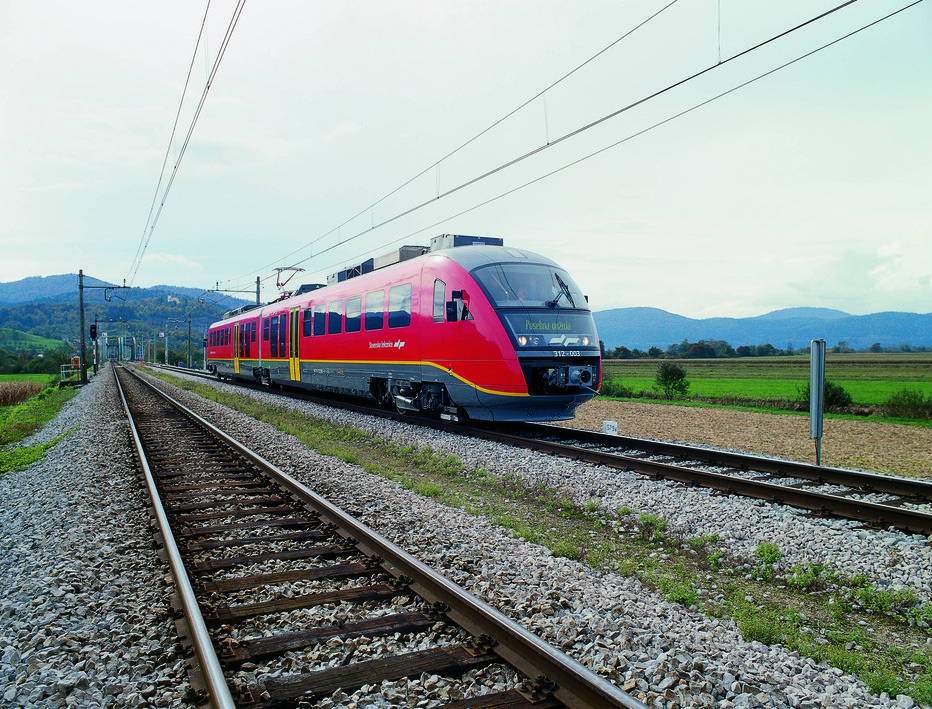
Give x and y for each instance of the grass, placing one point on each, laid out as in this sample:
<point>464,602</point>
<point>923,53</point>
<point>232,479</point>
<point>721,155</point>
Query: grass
<point>878,634</point>
<point>16,392</point>
<point>22,420</point>
<point>870,379</point>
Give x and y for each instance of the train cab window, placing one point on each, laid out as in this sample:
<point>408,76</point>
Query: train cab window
<point>440,308</point>
<point>353,313</point>
<point>335,317</point>
<point>375,310</point>
<point>306,327</point>
<point>274,336</point>
<point>399,306</point>
<point>265,329</point>
<point>320,319</point>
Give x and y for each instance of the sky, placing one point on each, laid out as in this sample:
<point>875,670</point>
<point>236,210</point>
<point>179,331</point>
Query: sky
<point>333,131</point>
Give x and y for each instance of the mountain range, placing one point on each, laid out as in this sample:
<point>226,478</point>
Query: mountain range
<point>642,328</point>
<point>45,306</point>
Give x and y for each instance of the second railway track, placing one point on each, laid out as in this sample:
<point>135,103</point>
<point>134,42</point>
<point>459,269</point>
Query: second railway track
<point>272,576</point>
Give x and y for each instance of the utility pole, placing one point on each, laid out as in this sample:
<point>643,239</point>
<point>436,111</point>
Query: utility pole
<point>83,360</point>
<point>190,362</point>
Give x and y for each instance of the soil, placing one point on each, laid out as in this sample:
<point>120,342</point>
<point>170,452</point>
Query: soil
<point>864,445</point>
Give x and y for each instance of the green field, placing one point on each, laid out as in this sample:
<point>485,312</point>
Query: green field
<point>41,378</point>
<point>14,341</point>
<point>871,379</point>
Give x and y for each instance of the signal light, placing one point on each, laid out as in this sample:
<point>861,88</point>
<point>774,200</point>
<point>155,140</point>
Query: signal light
<point>93,332</point>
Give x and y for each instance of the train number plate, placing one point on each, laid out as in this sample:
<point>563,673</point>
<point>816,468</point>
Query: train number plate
<point>566,353</point>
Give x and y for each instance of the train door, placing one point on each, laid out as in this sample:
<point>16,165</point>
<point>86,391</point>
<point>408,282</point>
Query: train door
<point>236,352</point>
<point>294,354</point>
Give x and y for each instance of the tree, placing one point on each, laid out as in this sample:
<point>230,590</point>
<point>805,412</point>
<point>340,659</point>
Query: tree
<point>671,378</point>
<point>654,352</point>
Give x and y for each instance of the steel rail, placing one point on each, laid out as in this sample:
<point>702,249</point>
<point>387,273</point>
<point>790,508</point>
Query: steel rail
<point>219,692</point>
<point>878,514</point>
<point>575,686</point>
<point>912,521</point>
<point>866,481</point>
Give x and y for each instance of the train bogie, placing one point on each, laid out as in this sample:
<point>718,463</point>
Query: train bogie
<point>470,331</point>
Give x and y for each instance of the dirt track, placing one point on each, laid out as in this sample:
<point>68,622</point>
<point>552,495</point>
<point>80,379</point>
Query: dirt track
<point>866,445</point>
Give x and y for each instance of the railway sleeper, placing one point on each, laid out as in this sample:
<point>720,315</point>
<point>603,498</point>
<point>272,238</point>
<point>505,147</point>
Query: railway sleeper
<point>450,661</point>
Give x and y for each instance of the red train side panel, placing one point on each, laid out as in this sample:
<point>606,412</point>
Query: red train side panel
<point>447,332</point>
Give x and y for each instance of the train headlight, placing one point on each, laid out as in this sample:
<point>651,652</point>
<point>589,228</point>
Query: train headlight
<point>585,341</point>
<point>522,340</point>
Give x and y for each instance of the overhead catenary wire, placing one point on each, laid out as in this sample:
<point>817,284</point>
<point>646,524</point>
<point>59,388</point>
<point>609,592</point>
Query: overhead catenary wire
<point>151,223</point>
<point>171,140</point>
<point>541,148</point>
<point>476,137</point>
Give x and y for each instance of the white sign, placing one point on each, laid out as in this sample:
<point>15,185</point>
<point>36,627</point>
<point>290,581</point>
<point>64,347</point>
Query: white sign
<point>610,427</point>
<point>161,334</point>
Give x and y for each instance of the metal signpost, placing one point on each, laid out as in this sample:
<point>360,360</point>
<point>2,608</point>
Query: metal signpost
<point>816,394</point>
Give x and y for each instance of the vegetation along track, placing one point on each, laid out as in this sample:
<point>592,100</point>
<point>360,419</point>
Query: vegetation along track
<point>877,500</point>
<point>260,563</point>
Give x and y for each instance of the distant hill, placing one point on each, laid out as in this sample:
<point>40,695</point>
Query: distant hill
<point>642,328</point>
<point>64,289</point>
<point>15,341</point>
<point>47,307</point>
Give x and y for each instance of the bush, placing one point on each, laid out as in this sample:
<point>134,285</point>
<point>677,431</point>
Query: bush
<point>671,378</point>
<point>909,404</point>
<point>834,396</point>
<point>614,387</point>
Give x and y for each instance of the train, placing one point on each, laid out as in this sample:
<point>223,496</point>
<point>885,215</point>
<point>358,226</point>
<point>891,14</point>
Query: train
<point>465,328</point>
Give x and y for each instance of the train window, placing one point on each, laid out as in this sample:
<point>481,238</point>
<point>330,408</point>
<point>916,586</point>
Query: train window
<point>306,328</point>
<point>353,313</point>
<point>265,329</point>
<point>335,317</point>
<point>375,310</point>
<point>399,306</point>
<point>440,308</point>
<point>252,331</point>
<point>274,337</point>
<point>282,335</point>
<point>320,319</point>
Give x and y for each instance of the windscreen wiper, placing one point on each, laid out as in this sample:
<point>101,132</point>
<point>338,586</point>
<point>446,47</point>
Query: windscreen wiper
<point>564,290</point>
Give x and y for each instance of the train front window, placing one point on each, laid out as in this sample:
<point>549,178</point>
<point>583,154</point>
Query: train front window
<point>525,285</point>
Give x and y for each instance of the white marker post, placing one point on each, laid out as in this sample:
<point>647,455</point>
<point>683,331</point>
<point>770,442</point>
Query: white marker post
<point>816,394</point>
<point>610,427</point>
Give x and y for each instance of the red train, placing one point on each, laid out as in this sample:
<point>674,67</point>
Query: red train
<point>465,328</point>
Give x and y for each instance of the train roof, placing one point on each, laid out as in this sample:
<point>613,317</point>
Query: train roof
<point>470,252</point>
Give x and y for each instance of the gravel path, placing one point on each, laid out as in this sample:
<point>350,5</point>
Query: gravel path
<point>99,635</point>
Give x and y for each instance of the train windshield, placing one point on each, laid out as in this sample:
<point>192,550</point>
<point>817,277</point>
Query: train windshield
<point>518,285</point>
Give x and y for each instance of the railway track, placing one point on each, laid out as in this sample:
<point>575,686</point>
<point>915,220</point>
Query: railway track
<point>876,500</point>
<point>287,600</point>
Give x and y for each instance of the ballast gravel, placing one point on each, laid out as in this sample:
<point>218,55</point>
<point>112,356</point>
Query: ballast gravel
<point>85,618</point>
